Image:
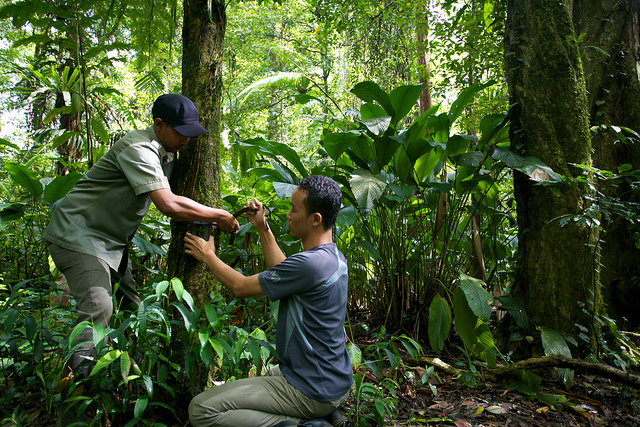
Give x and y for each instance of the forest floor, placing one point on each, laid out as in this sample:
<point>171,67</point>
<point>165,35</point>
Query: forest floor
<point>590,401</point>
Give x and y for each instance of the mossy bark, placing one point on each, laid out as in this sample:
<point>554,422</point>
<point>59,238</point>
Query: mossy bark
<point>555,270</point>
<point>611,59</point>
<point>197,173</point>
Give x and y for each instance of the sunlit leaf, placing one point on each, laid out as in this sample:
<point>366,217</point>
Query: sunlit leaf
<point>439,322</point>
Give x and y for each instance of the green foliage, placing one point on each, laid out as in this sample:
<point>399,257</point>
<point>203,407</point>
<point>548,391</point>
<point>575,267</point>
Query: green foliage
<point>376,403</point>
<point>136,373</point>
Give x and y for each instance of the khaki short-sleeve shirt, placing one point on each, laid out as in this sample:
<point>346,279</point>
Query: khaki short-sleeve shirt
<point>102,212</point>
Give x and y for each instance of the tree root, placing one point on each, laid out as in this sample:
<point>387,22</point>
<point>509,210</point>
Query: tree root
<point>553,361</point>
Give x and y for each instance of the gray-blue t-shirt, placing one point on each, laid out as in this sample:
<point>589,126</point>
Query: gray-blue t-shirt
<point>310,339</point>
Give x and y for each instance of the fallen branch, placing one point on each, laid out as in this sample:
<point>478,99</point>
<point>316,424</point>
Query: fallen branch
<point>553,361</point>
<point>557,361</point>
<point>440,365</point>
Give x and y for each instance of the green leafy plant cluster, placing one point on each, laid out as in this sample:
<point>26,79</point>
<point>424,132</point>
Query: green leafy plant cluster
<point>139,371</point>
<point>375,400</point>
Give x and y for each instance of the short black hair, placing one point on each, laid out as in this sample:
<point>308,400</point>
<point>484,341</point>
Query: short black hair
<point>323,196</point>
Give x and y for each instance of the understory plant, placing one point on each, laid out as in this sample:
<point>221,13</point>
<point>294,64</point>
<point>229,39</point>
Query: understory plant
<point>427,219</point>
<point>144,362</point>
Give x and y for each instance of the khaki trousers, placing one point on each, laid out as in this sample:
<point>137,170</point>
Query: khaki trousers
<point>91,282</point>
<point>258,401</point>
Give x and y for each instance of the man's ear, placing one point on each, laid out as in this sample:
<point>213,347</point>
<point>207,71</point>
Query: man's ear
<point>157,123</point>
<point>317,218</point>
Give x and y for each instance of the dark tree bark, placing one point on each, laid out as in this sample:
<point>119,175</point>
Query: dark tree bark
<point>549,121</point>
<point>197,174</point>
<point>198,170</point>
<point>611,59</point>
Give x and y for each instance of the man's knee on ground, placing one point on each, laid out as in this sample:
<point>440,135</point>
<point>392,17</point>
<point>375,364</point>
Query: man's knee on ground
<point>201,414</point>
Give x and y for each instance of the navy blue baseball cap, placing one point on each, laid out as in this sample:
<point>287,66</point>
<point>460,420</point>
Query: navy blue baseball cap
<point>180,113</point>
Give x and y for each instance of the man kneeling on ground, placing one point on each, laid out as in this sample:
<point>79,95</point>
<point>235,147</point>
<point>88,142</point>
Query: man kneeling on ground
<point>314,375</point>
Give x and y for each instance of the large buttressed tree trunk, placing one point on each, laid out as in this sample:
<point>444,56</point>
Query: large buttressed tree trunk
<point>549,122</point>
<point>198,170</point>
<point>611,61</point>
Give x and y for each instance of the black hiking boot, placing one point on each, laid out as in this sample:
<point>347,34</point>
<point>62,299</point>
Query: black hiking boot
<point>337,419</point>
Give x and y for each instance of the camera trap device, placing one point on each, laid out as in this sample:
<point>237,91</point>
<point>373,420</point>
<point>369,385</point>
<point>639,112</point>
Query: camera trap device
<point>202,229</point>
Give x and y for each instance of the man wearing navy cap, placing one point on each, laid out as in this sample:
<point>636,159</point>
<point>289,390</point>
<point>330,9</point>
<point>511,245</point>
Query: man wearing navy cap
<point>91,227</point>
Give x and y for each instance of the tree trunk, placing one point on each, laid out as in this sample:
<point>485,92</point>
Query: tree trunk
<point>549,121</point>
<point>197,173</point>
<point>611,60</point>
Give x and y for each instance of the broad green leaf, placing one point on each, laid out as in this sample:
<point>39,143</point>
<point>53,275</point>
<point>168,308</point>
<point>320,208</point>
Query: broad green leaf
<point>458,144</point>
<point>212,315</point>
<point>186,316</point>
<point>489,6</point>
<point>551,399</point>
<point>402,165</point>
<point>254,349</point>
<point>465,320</point>
<point>60,186</point>
<point>98,127</point>
<point>148,384</point>
<point>439,322</point>
<point>105,361</point>
<point>217,347</point>
<point>63,138</point>
<point>426,164</point>
<point>377,126</point>
<point>371,111</point>
<point>366,188</point>
<point>161,287</point>
<point>464,98</point>
<point>355,355</point>
<point>10,212</point>
<point>337,143</point>
<point>140,406</point>
<point>494,129</point>
<point>125,366</point>
<point>283,189</point>
<point>554,343</point>
<point>368,247</point>
<point>403,99</point>
<point>22,176</point>
<point>403,191</point>
<point>361,147</point>
<point>346,216</point>
<point>485,349</point>
<point>274,149</point>
<point>386,148</point>
<point>472,159</point>
<point>516,311</point>
<point>77,330</point>
<point>146,246</point>
<point>530,166</point>
<point>178,288</point>
<point>186,297</point>
<point>370,91</point>
<point>476,296</point>
<point>38,348</point>
<point>439,127</point>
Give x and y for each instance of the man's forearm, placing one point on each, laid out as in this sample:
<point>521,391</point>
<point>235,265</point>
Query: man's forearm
<point>241,285</point>
<point>273,255</point>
